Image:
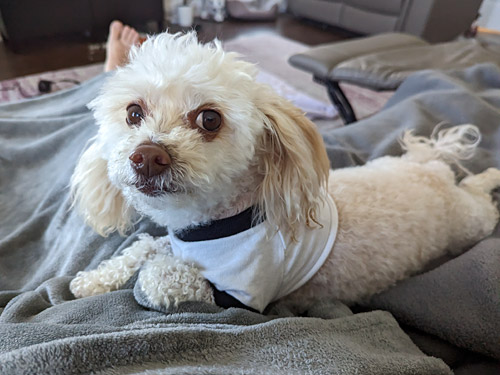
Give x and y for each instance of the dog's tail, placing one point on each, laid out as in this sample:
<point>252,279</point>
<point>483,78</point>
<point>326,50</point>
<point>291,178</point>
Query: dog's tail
<point>450,145</point>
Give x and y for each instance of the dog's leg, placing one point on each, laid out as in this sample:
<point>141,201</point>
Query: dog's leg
<point>167,281</point>
<point>474,200</point>
<point>112,274</point>
<point>483,182</point>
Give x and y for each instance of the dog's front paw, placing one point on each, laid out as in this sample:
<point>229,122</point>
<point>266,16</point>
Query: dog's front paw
<point>166,282</point>
<point>87,284</point>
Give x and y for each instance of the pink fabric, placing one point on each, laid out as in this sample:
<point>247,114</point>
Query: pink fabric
<point>23,87</point>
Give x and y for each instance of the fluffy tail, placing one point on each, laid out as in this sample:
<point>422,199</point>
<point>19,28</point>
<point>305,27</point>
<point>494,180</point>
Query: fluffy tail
<point>449,145</point>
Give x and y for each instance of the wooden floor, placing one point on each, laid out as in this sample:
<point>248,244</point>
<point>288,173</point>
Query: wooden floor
<point>61,53</point>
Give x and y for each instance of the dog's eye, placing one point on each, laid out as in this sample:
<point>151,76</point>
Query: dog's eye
<point>134,114</point>
<point>209,120</point>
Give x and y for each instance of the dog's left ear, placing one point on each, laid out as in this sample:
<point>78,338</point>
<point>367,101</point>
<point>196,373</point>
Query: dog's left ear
<point>293,162</point>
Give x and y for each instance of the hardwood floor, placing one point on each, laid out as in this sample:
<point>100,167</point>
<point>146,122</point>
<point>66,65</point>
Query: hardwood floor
<point>60,53</point>
<point>287,26</point>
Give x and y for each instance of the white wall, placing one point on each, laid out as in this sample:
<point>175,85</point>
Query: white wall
<point>490,14</point>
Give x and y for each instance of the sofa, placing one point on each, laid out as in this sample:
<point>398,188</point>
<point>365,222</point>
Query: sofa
<point>433,20</point>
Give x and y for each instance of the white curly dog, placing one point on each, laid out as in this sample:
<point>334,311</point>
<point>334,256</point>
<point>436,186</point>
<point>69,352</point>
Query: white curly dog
<point>241,180</point>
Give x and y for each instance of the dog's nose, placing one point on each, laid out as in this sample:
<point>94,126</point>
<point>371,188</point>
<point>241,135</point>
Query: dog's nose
<point>150,159</point>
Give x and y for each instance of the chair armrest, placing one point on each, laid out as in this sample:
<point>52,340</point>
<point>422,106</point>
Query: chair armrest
<point>322,59</point>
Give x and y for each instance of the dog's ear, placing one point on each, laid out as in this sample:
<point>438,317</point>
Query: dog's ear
<point>100,203</point>
<point>293,162</point>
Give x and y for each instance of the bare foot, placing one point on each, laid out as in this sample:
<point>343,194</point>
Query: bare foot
<point>121,38</point>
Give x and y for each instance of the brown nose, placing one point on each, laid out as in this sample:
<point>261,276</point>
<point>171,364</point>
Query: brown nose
<point>150,160</point>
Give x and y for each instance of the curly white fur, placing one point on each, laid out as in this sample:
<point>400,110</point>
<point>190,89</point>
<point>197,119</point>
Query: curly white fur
<point>112,274</point>
<point>167,281</point>
<point>451,145</point>
<point>395,213</point>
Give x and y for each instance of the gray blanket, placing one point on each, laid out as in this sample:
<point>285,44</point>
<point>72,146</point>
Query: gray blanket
<point>451,312</point>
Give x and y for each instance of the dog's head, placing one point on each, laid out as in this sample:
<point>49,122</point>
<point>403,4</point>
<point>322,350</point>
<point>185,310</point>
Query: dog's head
<point>185,132</point>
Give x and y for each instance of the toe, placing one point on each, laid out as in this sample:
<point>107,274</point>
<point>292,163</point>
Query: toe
<point>115,30</point>
<point>134,37</point>
<point>125,33</point>
<point>130,36</point>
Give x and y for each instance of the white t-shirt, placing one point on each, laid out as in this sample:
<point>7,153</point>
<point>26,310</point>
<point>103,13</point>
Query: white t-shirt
<point>259,266</point>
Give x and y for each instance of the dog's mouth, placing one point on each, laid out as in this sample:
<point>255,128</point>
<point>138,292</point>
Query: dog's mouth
<point>156,187</point>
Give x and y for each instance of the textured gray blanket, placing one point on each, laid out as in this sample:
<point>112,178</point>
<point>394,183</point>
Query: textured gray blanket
<point>452,311</point>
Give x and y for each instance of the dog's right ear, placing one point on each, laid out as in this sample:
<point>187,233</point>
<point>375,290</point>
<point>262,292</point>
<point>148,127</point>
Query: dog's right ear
<point>99,202</point>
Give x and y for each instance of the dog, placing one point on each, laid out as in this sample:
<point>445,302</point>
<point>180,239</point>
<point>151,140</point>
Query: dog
<point>241,179</point>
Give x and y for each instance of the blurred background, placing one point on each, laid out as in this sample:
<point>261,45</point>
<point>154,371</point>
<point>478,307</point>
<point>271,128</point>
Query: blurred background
<point>45,35</point>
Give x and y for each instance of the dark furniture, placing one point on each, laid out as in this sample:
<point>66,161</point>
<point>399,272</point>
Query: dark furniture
<point>22,21</point>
